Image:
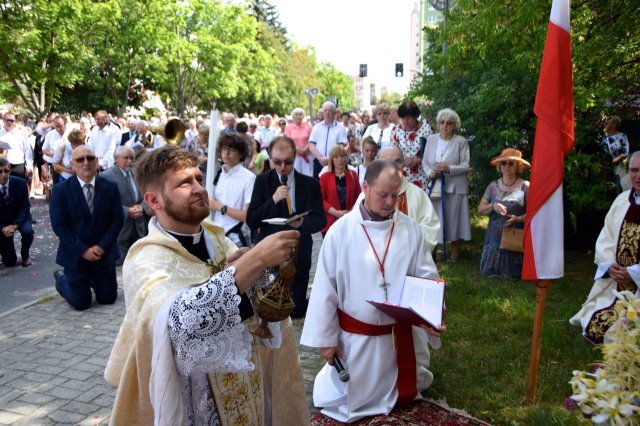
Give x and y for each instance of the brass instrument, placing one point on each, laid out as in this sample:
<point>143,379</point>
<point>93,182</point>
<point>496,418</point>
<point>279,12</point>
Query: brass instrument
<point>174,131</point>
<point>271,295</point>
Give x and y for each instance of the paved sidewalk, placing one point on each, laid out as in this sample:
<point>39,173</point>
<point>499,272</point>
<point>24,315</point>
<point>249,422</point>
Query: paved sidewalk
<point>52,361</point>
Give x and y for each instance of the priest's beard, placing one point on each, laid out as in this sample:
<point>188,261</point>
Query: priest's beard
<point>191,214</point>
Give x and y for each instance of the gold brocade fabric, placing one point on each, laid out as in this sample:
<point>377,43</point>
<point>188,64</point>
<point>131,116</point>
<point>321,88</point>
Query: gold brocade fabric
<point>239,397</point>
<point>627,254</point>
<point>157,267</point>
<point>600,323</point>
<point>628,244</point>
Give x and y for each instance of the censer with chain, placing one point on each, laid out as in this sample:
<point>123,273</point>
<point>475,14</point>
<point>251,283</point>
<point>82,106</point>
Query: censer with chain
<point>271,295</point>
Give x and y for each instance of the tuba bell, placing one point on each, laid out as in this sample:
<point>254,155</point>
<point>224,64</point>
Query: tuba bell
<point>174,131</point>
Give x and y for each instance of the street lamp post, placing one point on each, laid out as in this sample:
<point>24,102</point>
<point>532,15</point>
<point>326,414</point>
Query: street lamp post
<point>310,94</point>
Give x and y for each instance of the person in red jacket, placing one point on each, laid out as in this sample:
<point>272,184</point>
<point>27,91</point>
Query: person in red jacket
<point>339,186</point>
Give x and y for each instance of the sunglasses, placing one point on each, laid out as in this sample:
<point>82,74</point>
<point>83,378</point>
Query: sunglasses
<point>507,163</point>
<point>89,158</point>
<point>279,163</point>
<point>9,120</point>
<point>5,171</point>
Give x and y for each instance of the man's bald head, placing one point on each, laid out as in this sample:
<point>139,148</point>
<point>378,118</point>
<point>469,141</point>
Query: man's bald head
<point>392,153</point>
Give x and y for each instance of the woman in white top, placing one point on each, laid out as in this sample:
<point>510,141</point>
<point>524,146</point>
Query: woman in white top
<point>233,190</point>
<point>381,131</point>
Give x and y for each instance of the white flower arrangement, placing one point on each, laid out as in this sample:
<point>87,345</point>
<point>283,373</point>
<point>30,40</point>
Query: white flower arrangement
<point>611,395</point>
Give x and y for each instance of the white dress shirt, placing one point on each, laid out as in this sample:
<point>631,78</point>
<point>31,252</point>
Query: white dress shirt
<point>103,142</point>
<point>20,151</point>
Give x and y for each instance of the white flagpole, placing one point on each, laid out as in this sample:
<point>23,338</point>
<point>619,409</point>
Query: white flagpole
<point>212,166</point>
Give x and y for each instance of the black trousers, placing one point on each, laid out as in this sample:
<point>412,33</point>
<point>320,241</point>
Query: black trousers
<point>7,248</point>
<point>301,280</point>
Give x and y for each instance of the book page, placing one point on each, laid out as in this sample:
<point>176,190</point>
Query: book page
<point>283,220</point>
<point>425,297</point>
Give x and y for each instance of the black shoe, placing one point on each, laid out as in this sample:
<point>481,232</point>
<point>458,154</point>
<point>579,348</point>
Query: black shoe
<point>57,275</point>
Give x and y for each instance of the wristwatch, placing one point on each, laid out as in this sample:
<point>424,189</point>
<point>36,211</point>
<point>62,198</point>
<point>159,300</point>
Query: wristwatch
<point>223,210</point>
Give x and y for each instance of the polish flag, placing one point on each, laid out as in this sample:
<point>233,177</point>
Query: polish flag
<point>544,225</point>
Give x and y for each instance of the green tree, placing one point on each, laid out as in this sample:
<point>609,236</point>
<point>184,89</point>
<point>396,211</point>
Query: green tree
<point>130,40</point>
<point>337,84</point>
<point>41,50</point>
<point>267,13</point>
<point>489,74</point>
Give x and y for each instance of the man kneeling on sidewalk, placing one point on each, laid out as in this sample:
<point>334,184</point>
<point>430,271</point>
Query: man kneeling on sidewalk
<point>86,215</point>
<point>15,215</point>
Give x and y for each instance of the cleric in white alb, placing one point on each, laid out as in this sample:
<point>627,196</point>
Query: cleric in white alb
<point>366,255</point>
<point>618,260</point>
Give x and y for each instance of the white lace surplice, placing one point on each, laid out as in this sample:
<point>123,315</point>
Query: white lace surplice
<point>207,336</point>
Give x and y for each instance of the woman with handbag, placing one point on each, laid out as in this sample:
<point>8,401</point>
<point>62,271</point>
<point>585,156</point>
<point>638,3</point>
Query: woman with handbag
<point>446,161</point>
<point>504,201</point>
<point>340,187</point>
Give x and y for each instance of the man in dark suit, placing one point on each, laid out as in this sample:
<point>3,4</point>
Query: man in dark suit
<point>15,215</point>
<point>86,215</point>
<point>136,219</point>
<point>271,198</point>
<point>131,133</point>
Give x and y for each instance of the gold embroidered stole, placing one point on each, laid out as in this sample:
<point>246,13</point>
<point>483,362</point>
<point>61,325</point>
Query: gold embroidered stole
<point>238,396</point>
<point>627,254</point>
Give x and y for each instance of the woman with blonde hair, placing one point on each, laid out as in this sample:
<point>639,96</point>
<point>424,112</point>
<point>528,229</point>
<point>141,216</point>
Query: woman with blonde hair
<point>339,185</point>
<point>299,131</point>
<point>504,201</point>
<point>382,130</point>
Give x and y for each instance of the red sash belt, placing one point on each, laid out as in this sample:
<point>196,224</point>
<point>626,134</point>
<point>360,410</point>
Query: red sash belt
<point>405,358</point>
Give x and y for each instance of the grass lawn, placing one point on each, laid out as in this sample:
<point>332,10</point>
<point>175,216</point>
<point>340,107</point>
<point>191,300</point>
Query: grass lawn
<point>483,363</point>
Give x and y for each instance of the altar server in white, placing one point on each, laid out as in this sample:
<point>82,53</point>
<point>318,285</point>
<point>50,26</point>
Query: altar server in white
<point>365,255</point>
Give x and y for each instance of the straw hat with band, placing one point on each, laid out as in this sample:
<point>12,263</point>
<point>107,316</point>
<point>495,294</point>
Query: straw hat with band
<point>511,154</point>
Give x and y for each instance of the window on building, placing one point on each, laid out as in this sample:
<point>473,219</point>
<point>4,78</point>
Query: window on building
<point>432,19</point>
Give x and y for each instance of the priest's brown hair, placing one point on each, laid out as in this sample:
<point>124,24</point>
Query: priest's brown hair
<point>151,167</point>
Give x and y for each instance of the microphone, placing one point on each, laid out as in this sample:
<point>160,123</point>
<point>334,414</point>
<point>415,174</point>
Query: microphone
<point>283,179</point>
<point>342,372</point>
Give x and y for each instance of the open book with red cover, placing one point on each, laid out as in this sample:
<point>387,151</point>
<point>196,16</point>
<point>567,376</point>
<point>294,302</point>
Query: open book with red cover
<point>421,302</point>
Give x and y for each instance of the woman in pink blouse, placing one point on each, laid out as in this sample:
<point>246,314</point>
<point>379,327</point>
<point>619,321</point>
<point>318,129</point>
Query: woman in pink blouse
<point>299,131</point>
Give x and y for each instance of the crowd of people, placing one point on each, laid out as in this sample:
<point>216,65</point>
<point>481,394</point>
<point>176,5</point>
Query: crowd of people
<point>384,193</point>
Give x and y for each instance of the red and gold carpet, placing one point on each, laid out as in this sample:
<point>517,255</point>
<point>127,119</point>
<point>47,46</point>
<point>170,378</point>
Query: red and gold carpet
<point>419,413</point>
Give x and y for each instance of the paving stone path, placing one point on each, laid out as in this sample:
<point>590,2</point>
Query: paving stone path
<point>52,360</point>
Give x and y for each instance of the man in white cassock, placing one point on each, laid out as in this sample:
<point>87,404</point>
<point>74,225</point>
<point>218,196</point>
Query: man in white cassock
<point>366,255</point>
<point>618,260</point>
